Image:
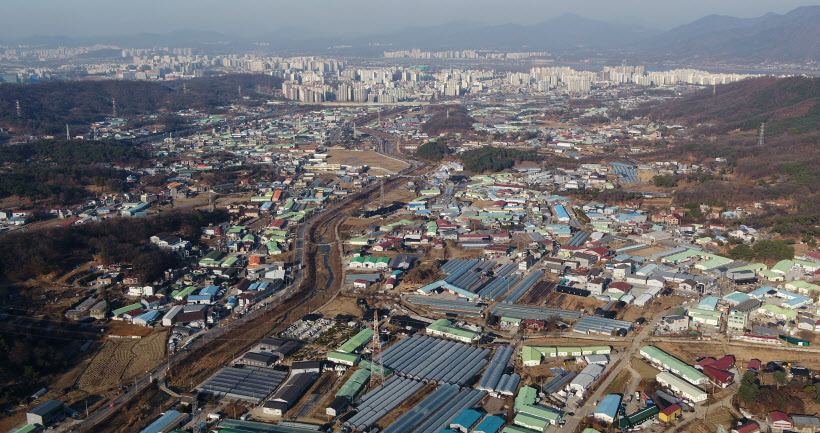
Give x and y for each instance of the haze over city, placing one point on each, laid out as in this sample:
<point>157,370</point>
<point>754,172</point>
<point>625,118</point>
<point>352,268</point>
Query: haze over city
<point>252,18</point>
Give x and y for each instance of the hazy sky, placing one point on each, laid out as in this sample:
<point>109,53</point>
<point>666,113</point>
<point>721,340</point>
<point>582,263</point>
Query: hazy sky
<point>23,18</point>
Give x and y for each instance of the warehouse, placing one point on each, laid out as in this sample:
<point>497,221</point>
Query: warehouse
<point>585,378</point>
<point>668,362</point>
<point>46,413</point>
<point>681,387</point>
<point>170,317</point>
<point>465,421</point>
<point>354,385</point>
<point>343,358</point>
<point>600,325</point>
<point>337,406</point>
<point>258,359</point>
<point>608,409</point>
<point>170,420</point>
<point>288,394</point>
<point>490,424</point>
<point>357,341</point>
<point>443,328</point>
<point>638,417</point>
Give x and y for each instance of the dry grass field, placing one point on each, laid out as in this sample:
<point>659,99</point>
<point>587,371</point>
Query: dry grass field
<point>366,157</point>
<point>120,360</point>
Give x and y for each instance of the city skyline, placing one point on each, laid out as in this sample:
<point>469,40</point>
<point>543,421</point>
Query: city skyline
<point>259,19</point>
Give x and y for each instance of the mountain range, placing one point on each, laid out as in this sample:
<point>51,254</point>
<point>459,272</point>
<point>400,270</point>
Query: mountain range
<point>790,37</point>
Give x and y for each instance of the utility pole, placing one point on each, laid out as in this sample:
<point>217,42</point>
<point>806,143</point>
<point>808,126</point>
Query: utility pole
<point>376,363</point>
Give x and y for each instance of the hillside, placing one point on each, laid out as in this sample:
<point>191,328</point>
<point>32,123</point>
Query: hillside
<point>791,37</point>
<point>786,105</point>
<point>448,119</point>
<point>47,107</point>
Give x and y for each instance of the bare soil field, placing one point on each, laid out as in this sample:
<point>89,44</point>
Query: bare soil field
<point>366,157</point>
<point>342,305</point>
<point>571,302</point>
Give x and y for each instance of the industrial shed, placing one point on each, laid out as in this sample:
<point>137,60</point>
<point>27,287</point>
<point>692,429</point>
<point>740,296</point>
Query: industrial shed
<point>600,325</point>
<point>444,361</point>
<point>437,410</point>
<point>524,312</point>
<point>258,359</point>
<point>289,393</point>
<point>168,421</point>
<point>681,387</point>
<point>447,306</point>
<point>357,341</point>
<point>668,362</point>
<point>607,410</point>
<point>376,403</point>
<point>246,383</point>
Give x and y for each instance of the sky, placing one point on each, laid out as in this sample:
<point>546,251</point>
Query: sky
<point>84,18</point>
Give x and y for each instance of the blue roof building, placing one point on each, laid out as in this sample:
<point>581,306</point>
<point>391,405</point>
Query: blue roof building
<point>708,303</point>
<point>465,420</point>
<point>491,424</point>
<point>608,408</point>
<point>167,422</point>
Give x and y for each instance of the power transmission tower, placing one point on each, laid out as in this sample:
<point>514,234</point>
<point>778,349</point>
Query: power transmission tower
<point>381,190</point>
<point>762,140</point>
<point>67,133</point>
<point>114,107</point>
<point>18,107</point>
<point>376,363</point>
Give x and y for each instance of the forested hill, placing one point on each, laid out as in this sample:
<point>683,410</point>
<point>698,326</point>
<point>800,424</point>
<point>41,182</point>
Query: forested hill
<point>789,104</point>
<point>448,119</point>
<point>47,107</point>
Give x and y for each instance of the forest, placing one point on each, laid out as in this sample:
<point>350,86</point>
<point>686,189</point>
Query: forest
<point>48,106</point>
<point>29,254</point>
<point>448,119</point>
<point>59,171</point>
<point>432,151</point>
<point>494,159</point>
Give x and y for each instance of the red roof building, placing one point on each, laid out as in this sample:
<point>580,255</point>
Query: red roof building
<point>753,366</point>
<point>778,421</point>
<point>725,363</point>
<point>719,377</point>
<point>749,427</point>
<point>620,285</point>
